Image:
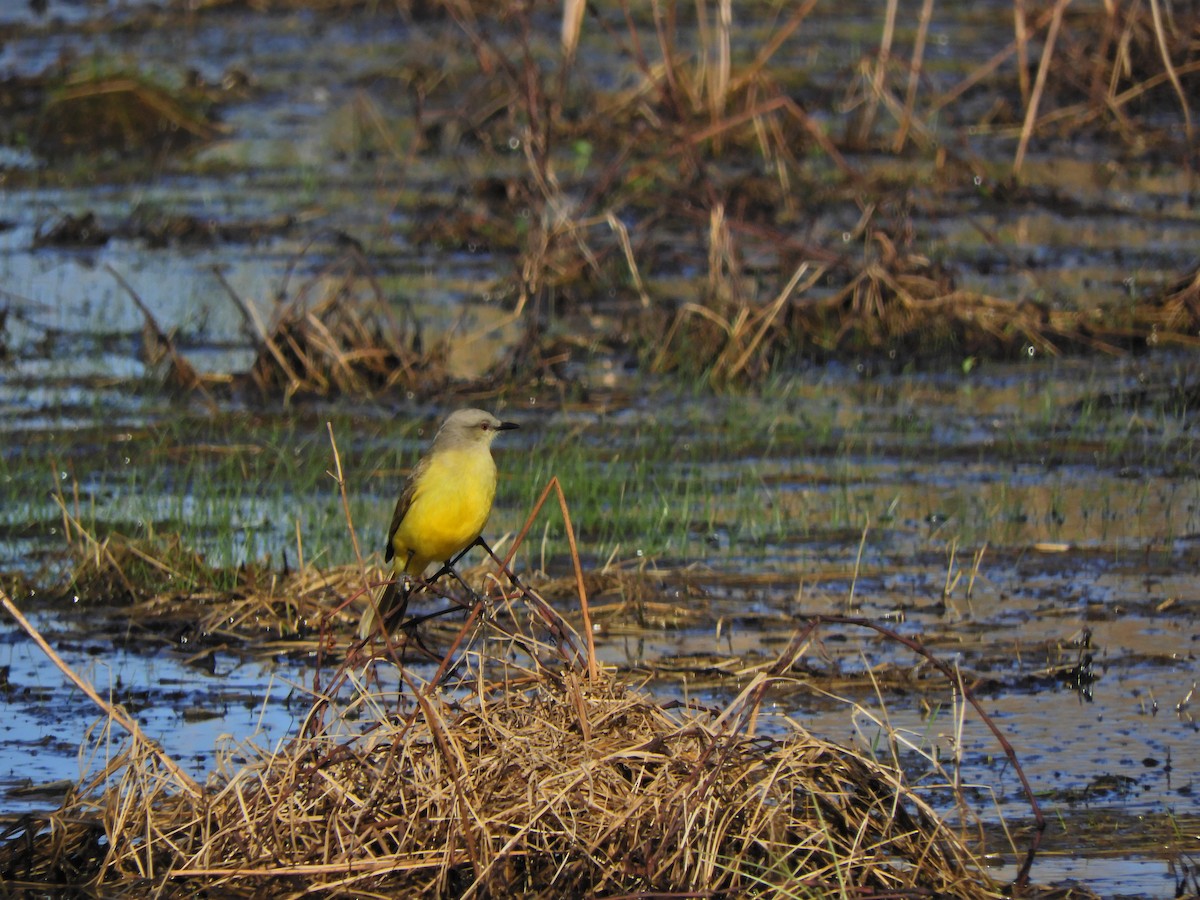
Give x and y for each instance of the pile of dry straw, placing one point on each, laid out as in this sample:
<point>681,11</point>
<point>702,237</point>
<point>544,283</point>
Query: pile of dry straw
<point>516,767</point>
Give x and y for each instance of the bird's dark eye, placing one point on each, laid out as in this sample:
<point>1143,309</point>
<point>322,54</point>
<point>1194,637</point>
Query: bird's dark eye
<point>484,426</point>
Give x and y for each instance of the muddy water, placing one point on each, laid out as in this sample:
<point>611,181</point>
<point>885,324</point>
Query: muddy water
<point>1047,549</point>
<point>1039,524</point>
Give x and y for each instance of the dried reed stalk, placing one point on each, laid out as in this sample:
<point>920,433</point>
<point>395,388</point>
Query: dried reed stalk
<point>1039,85</point>
<point>115,713</point>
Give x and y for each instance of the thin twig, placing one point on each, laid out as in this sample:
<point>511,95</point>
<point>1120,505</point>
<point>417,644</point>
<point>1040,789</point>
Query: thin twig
<point>555,485</point>
<point>914,76</point>
<point>185,373</point>
<point>265,340</point>
<point>862,542</point>
<point>1039,85</point>
<point>340,478</point>
<point>1161,35</point>
<point>867,121</point>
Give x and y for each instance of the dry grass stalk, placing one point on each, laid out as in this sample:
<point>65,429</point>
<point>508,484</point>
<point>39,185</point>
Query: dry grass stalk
<point>1039,85</point>
<point>1117,58</point>
<point>572,25</point>
<point>914,76</point>
<point>729,335</point>
<point>1021,36</point>
<point>1160,35</point>
<point>180,376</point>
<point>115,713</point>
<point>1019,47</point>
<point>876,76</point>
<point>717,62</point>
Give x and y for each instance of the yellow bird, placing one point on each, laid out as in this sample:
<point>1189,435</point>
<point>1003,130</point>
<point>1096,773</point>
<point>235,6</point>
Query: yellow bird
<point>445,503</point>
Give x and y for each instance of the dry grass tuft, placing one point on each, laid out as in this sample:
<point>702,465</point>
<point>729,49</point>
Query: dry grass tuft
<point>293,606</point>
<point>169,587</point>
<point>121,113</point>
<point>516,780</point>
<point>896,305</point>
<point>1174,316</point>
<point>1126,64</point>
<point>338,335</point>
<point>126,570</point>
<point>511,769</point>
<point>901,305</point>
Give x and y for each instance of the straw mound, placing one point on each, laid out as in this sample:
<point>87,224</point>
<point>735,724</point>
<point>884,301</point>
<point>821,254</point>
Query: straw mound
<point>553,790</point>
<point>491,776</point>
<point>122,113</point>
<point>338,334</point>
<point>335,348</point>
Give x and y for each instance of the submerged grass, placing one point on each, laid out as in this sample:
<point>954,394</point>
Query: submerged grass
<point>691,477</point>
<point>121,113</point>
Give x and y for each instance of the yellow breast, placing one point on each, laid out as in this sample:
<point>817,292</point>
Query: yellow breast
<point>450,505</point>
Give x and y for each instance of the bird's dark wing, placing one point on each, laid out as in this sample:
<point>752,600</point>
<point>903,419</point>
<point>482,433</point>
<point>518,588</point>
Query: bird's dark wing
<point>402,505</point>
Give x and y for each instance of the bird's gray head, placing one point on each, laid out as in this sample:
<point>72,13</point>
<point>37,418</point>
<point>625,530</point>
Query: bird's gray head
<point>470,426</point>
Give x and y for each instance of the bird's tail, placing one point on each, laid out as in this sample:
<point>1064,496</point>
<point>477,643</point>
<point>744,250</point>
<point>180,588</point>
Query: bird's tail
<point>386,602</point>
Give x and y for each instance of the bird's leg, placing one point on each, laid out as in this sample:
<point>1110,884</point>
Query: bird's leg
<point>512,576</point>
<point>448,566</point>
<point>394,617</point>
<point>453,571</point>
<point>409,585</point>
<point>448,569</point>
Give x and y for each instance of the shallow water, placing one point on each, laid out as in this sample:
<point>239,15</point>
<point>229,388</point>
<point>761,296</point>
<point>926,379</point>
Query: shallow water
<point>190,711</point>
<point>839,491</point>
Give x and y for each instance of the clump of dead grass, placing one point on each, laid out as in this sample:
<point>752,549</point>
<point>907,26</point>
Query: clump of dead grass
<point>898,306</point>
<point>1174,315</point>
<point>517,766</point>
<point>894,305</point>
<point>1123,65</point>
<point>120,112</point>
<point>167,586</point>
<point>338,334</point>
<point>902,305</point>
<point>1073,68</point>
<point>516,778</point>
<point>123,569</point>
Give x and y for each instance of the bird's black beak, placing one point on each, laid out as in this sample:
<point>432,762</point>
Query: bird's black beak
<point>507,426</point>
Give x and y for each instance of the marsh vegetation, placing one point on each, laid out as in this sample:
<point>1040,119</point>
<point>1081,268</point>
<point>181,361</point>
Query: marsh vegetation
<point>824,318</point>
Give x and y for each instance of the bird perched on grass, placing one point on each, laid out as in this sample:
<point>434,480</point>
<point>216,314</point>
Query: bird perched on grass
<point>442,509</point>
